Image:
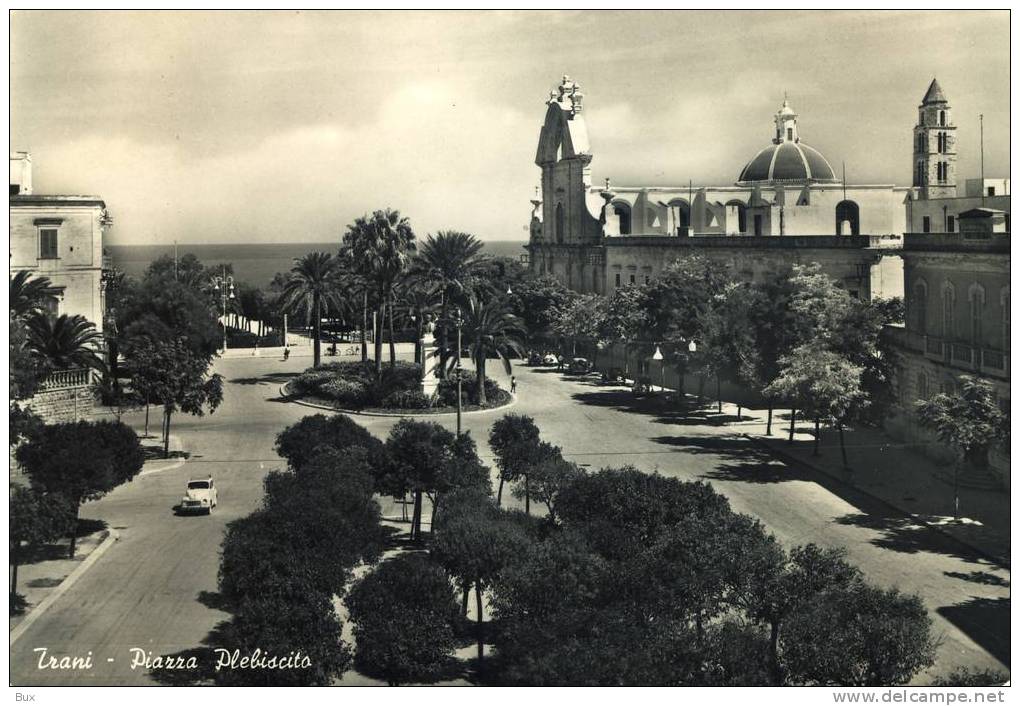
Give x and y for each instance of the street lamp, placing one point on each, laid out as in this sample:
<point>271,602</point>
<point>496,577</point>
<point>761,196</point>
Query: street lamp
<point>223,284</point>
<point>508,290</point>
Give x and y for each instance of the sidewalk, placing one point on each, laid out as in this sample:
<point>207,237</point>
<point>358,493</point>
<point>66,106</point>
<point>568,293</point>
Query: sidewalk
<point>890,472</point>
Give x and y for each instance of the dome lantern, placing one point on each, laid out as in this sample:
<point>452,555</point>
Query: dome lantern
<point>787,160</point>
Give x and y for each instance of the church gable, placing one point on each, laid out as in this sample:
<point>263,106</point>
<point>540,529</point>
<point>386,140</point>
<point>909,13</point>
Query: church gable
<point>554,143</point>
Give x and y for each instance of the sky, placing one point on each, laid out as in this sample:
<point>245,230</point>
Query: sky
<point>260,127</point>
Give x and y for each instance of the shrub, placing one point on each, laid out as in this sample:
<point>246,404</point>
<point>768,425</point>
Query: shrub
<point>347,392</point>
<point>403,615</point>
<point>310,380</point>
<point>407,399</point>
<point>447,391</point>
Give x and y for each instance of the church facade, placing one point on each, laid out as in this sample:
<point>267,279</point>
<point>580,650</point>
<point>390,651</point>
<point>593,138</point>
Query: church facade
<point>787,205</point>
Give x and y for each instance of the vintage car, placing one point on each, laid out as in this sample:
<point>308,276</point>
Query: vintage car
<point>549,359</point>
<point>201,496</point>
<point>614,375</point>
<point>579,366</point>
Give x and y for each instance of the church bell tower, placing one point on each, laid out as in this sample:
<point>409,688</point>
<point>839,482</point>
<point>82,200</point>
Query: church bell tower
<point>934,146</point>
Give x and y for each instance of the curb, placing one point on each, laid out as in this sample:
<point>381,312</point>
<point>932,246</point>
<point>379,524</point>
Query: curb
<point>72,578</point>
<point>793,460</point>
<point>405,413</point>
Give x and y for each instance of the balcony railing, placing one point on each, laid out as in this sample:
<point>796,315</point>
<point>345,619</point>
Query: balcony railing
<point>933,346</point>
<point>66,379</point>
<point>962,353</point>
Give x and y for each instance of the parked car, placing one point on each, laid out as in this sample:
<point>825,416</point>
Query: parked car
<point>201,496</point>
<point>549,359</point>
<point>579,366</point>
<point>642,385</point>
<point>614,375</point>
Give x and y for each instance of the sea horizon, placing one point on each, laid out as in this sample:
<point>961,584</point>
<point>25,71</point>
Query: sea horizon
<point>253,263</point>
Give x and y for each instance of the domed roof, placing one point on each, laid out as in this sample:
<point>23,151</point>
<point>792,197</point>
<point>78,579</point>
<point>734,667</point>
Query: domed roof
<point>788,162</point>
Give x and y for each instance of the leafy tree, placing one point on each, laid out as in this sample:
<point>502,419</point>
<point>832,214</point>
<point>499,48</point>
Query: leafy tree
<point>823,383</point>
<point>418,454</point>
<point>252,304</point>
<point>172,374</point>
<point>22,422</point>
<point>539,302</point>
<point>548,477</point>
<point>774,330</point>
<point>729,348</point>
<point>403,614</point>
<point>186,269</point>
<point>36,518</point>
<point>81,460</point>
<point>160,309</point>
<point>452,262</point>
<point>65,342</point>
<point>420,301</point>
<point>873,637</point>
<point>514,439</point>
<point>972,677</point>
<point>313,287</point>
<point>304,440</point>
<point>581,319</point>
<point>381,248</point>
<point>771,586</point>
<point>969,421</point>
<point>474,541</point>
<point>542,456</point>
<point>303,623</point>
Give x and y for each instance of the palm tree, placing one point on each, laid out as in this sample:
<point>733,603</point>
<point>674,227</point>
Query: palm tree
<point>490,327</point>
<point>314,286</point>
<point>451,261</point>
<point>380,248</point>
<point>29,295</point>
<point>65,342</point>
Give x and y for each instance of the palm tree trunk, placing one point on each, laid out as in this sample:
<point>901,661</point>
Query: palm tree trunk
<point>768,425</point>
<point>446,337</point>
<point>379,320</point>
<point>793,418</point>
<point>480,375</point>
<point>364,326</point>
<point>773,658</point>
<point>146,416</point>
<point>718,392</point>
<point>464,598</point>
<point>316,332</point>
<point>527,495</point>
<point>499,493</point>
<point>818,434</point>
<point>393,349</point>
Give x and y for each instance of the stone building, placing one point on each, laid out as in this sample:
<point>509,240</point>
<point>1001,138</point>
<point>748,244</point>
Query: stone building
<point>59,237</point>
<point>787,205</point>
<point>957,320</point>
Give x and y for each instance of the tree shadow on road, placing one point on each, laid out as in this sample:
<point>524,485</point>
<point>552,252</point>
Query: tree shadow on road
<point>984,620</point>
<point>267,379</point>
<point>199,663</point>
<point>982,577</point>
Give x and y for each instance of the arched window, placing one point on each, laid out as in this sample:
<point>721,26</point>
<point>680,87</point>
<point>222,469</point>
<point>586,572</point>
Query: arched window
<point>976,297</point>
<point>942,118</point>
<point>559,223</point>
<point>682,215</point>
<point>741,210</point>
<point>922,385</point>
<point>948,303</point>
<point>847,218</point>
<point>921,307</point>
<point>622,211</point>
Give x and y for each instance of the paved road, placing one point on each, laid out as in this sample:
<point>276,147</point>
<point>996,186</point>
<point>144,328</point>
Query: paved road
<point>153,589</point>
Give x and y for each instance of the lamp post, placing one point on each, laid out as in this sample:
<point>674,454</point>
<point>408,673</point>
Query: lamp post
<point>662,366</point>
<point>223,284</point>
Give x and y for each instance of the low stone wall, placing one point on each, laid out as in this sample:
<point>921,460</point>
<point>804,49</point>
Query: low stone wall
<point>69,404</point>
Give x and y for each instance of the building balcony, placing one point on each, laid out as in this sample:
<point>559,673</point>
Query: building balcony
<point>954,354</point>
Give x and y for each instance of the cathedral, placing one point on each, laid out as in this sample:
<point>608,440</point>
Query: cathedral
<point>786,205</point>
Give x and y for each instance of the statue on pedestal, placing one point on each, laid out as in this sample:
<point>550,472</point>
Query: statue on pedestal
<point>430,358</point>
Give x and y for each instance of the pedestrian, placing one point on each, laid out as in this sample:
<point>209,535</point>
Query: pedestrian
<point>286,352</point>
<point>255,351</point>
<point>513,384</point>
